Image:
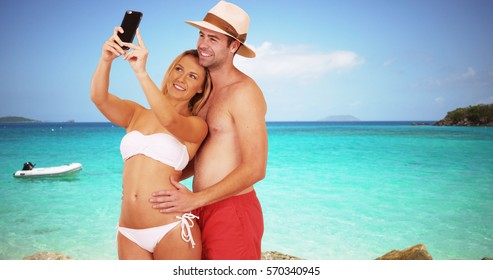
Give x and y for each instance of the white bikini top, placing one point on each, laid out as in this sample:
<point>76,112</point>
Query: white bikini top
<point>159,146</point>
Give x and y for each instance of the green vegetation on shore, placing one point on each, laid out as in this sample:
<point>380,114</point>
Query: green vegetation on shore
<point>15,119</point>
<point>478,115</point>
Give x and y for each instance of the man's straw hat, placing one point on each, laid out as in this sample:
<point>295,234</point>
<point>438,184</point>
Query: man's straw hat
<point>230,20</point>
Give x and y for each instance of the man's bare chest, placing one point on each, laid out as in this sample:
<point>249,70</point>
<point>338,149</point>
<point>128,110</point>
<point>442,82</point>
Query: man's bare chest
<point>218,116</point>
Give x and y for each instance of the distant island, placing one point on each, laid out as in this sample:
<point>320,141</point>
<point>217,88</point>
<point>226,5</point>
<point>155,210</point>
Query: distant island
<point>15,120</point>
<point>340,118</point>
<point>478,115</point>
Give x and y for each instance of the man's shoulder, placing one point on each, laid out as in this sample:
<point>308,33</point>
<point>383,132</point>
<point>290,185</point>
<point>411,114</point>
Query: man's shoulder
<point>245,93</point>
<point>244,84</point>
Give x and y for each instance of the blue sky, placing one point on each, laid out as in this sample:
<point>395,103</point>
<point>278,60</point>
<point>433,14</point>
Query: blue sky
<point>375,60</point>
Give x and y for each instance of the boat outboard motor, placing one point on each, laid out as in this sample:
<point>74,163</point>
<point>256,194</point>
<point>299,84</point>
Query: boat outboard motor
<point>28,166</point>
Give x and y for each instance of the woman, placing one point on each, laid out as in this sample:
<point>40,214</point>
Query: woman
<point>159,143</point>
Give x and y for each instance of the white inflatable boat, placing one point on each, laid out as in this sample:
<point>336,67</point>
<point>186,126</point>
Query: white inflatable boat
<point>30,171</point>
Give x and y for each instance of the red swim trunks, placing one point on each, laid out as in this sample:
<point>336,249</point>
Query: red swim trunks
<point>232,229</point>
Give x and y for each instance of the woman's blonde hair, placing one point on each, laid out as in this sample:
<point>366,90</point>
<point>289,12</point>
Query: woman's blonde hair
<point>199,99</point>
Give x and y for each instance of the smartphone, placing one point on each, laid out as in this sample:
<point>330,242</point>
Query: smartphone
<point>130,22</point>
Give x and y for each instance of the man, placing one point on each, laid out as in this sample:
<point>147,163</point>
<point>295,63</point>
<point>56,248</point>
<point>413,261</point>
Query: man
<point>234,155</point>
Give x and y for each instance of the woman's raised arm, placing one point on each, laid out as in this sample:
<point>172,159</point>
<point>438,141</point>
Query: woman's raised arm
<point>116,110</point>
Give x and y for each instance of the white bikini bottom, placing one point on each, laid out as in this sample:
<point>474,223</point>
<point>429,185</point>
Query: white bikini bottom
<point>148,238</point>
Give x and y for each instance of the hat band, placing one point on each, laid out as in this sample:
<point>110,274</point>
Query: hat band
<point>224,25</point>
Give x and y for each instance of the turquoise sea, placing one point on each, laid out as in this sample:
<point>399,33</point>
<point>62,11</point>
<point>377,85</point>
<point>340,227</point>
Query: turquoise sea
<point>333,191</point>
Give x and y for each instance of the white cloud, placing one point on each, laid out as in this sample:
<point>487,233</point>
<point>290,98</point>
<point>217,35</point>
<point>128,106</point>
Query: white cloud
<point>281,61</point>
<point>440,100</point>
<point>356,103</point>
<point>455,78</point>
<point>470,73</point>
<point>388,63</point>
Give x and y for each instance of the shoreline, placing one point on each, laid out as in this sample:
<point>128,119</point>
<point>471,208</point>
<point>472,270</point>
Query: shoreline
<point>416,252</point>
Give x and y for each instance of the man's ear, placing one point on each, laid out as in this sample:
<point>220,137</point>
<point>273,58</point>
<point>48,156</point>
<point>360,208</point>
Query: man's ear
<point>235,46</point>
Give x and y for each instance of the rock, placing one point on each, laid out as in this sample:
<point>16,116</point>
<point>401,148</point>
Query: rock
<point>47,256</point>
<point>273,255</point>
<point>416,252</point>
